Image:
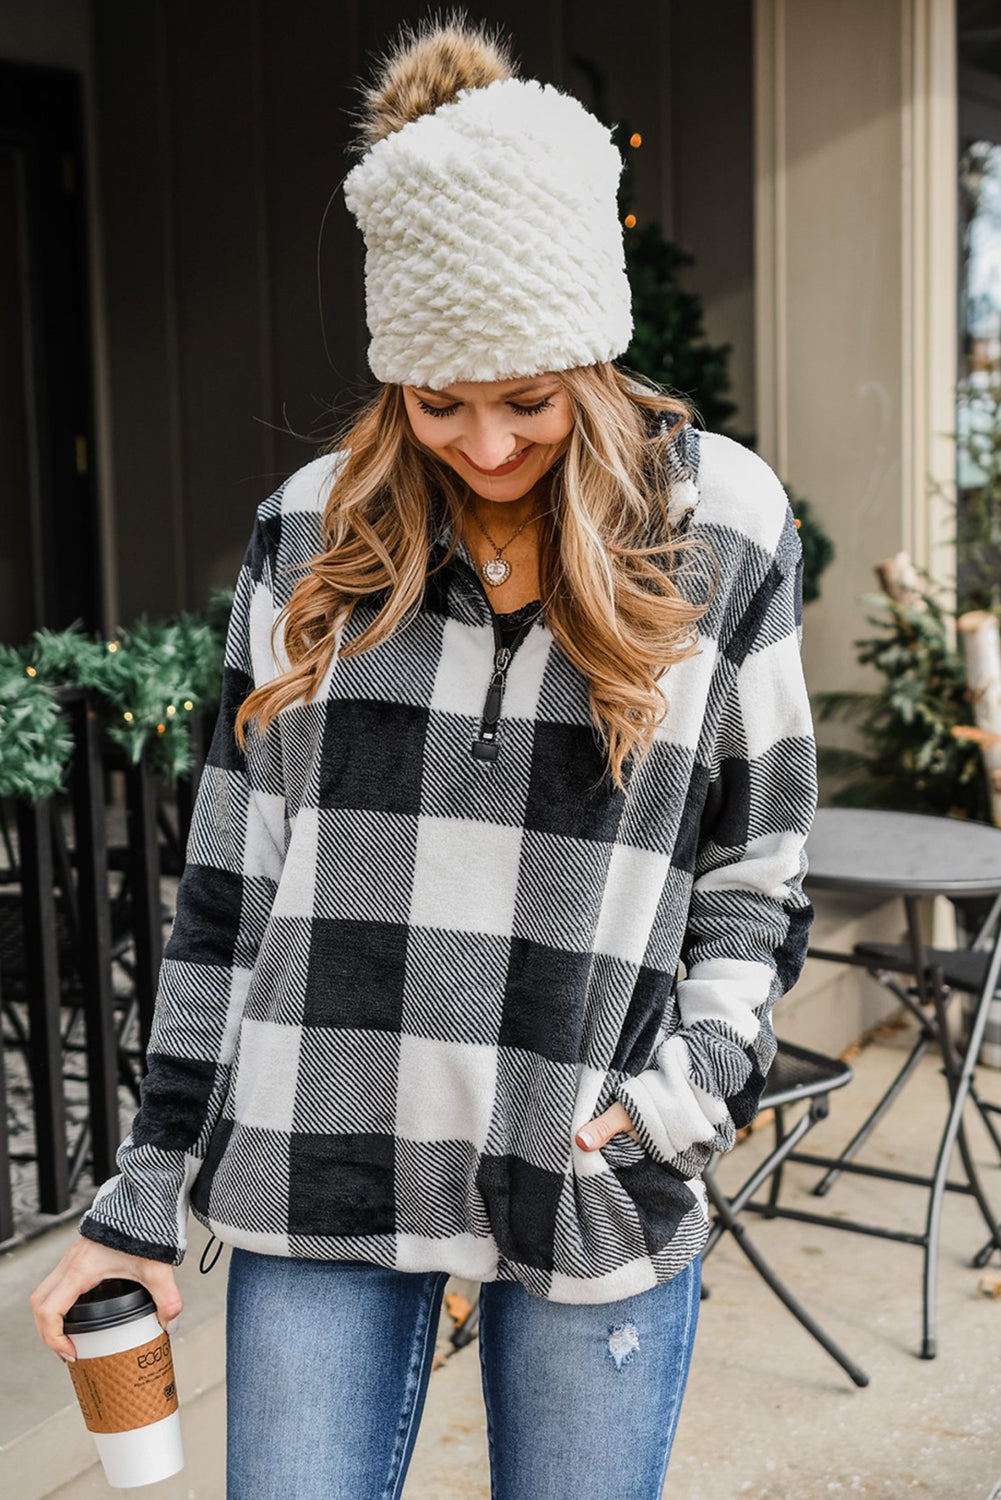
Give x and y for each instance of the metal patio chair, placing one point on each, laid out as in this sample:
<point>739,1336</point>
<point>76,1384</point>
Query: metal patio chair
<point>947,972</point>
<point>796,1076</point>
<point>882,854</point>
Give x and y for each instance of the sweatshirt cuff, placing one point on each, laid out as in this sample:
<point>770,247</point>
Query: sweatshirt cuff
<point>676,1121</point>
<point>114,1238</point>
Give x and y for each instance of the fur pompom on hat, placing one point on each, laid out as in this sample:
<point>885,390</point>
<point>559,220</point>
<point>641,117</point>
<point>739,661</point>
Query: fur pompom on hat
<point>488,207</point>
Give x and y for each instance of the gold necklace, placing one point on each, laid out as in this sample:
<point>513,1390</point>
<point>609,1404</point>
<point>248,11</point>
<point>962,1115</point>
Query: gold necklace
<point>497,570</point>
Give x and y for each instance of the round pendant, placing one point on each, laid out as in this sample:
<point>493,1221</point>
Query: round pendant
<point>495,570</point>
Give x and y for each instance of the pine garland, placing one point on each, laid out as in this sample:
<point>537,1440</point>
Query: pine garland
<point>146,684</point>
<point>35,743</point>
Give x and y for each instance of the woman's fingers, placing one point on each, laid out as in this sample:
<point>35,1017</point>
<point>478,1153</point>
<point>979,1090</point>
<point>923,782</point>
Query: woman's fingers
<point>48,1306</point>
<point>594,1133</point>
<point>84,1264</point>
<point>46,1285</point>
<point>158,1278</point>
<point>81,1268</point>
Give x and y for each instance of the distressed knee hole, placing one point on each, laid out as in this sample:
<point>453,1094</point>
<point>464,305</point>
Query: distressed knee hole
<point>623,1343</point>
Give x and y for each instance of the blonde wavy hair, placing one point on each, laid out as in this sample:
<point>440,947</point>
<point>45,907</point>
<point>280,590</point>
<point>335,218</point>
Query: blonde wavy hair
<point>610,552</point>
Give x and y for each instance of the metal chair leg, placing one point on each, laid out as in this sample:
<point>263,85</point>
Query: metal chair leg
<point>780,1135</point>
<point>952,1066</point>
<point>985,1109</point>
<point>733,1224</point>
<point>983,1255</point>
<point>949,1135</point>
<point>868,1125</point>
<point>747,1190</point>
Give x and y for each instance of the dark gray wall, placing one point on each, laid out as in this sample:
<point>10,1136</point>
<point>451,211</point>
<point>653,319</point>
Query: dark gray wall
<point>220,152</point>
<point>710,207</point>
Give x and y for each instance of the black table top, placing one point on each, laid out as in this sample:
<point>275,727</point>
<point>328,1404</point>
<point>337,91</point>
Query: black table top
<point>902,853</point>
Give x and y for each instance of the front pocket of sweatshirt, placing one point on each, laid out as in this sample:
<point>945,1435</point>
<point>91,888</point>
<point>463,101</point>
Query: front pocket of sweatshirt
<point>660,1197</point>
<point>623,1150</point>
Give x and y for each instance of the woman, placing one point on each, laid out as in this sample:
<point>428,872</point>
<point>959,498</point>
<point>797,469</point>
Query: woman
<point>513,720</point>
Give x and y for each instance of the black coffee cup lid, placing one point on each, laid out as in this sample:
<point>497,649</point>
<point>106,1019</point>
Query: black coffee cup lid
<point>107,1305</point>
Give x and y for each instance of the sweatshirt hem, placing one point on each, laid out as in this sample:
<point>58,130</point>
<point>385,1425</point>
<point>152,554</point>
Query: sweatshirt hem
<point>474,1259</point>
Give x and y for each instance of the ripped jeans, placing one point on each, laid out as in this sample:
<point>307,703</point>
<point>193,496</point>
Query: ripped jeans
<point>328,1365</point>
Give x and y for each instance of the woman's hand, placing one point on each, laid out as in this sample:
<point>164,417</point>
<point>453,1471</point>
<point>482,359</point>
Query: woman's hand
<point>604,1126</point>
<point>81,1268</point>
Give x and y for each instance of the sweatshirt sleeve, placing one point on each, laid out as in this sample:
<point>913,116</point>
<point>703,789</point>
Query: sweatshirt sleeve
<point>233,861</point>
<point>749,920</point>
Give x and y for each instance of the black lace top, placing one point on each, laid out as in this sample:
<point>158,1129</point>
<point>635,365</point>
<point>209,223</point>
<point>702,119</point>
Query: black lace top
<point>512,620</point>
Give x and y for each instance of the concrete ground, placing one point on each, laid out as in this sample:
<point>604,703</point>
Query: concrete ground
<point>767,1414</point>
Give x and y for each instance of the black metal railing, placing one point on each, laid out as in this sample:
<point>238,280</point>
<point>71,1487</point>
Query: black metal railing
<point>75,916</point>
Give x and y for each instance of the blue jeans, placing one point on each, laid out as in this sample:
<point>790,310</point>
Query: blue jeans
<point>328,1365</point>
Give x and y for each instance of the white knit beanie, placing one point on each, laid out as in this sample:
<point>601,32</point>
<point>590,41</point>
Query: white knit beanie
<point>493,243</point>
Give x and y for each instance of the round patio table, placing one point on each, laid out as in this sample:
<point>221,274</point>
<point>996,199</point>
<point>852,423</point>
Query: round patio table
<point>914,855</point>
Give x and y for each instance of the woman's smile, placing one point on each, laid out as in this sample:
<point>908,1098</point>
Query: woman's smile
<point>515,463</point>
<point>531,416</point>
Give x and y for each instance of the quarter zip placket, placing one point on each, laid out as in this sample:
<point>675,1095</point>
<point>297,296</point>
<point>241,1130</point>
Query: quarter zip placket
<point>486,746</point>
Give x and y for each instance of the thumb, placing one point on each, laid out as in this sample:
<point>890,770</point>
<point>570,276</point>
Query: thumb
<point>158,1278</point>
<point>596,1132</point>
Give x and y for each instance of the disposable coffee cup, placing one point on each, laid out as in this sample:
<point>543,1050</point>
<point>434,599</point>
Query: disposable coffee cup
<point>124,1380</point>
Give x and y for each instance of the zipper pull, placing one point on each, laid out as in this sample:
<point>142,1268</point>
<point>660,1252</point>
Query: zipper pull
<point>495,695</point>
<point>486,747</point>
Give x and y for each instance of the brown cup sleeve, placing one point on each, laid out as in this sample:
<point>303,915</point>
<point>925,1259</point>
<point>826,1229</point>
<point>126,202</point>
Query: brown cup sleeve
<point>133,1388</point>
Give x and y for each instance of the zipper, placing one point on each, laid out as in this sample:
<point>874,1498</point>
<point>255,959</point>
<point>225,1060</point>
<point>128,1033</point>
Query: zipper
<point>486,745</point>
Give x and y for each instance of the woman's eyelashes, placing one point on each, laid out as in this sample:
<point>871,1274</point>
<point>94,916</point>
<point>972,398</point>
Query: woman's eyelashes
<point>446,411</point>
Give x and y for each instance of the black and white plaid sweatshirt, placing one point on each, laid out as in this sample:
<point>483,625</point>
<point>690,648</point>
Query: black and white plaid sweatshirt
<point>420,937</point>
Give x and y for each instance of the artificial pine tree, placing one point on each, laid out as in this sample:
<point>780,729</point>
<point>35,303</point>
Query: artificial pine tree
<point>669,344</point>
<point>910,759</point>
<point>914,758</point>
